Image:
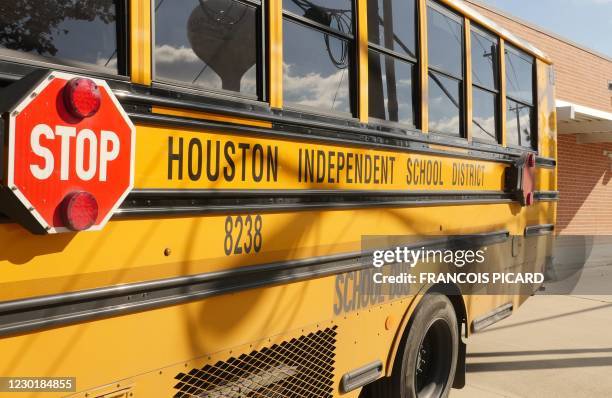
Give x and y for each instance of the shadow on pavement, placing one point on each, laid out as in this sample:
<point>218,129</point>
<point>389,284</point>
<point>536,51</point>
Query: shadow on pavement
<point>543,352</point>
<point>547,318</point>
<point>539,364</point>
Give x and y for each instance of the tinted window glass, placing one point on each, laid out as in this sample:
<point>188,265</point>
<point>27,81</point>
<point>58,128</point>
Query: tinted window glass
<point>519,76</point>
<point>72,32</point>
<point>316,69</point>
<point>484,121</point>
<point>484,61</point>
<point>518,124</point>
<point>337,14</point>
<point>392,24</point>
<point>390,89</point>
<point>444,104</point>
<point>210,44</point>
<point>445,42</point>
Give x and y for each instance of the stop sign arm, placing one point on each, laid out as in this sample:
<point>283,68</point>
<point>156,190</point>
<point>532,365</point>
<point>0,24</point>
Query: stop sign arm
<point>9,96</point>
<point>63,135</point>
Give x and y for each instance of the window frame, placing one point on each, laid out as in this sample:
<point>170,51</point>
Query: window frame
<point>261,94</point>
<point>15,64</point>
<point>352,68</point>
<point>460,18</point>
<point>508,47</point>
<point>402,57</point>
<point>477,29</point>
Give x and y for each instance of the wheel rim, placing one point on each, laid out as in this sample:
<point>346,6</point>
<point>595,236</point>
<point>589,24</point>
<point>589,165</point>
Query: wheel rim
<point>433,362</point>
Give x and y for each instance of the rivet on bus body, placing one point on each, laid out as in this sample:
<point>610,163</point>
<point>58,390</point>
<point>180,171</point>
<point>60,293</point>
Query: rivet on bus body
<point>389,322</point>
<point>167,251</point>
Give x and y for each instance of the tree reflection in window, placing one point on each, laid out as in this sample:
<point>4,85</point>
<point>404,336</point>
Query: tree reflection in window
<point>80,33</point>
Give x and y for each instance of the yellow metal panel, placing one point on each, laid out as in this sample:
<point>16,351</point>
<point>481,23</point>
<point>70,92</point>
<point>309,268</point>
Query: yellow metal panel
<point>502,89</point>
<point>547,129</point>
<point>423,66</point>
<point>210,116</point>
<point>546,179</point>
<point>220,160</point>
<point>468,79</point>
<point>362,44</point>
<point>275,45</point>
<point>133,250</point>
<point>191,335</point>
<point>140,41</point>
<point>547,118</point>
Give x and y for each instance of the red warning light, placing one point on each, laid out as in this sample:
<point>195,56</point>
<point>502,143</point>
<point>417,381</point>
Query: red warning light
<point>80,211</point>
<point>82,97</point>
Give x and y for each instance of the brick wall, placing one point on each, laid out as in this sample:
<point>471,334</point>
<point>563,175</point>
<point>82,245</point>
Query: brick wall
<point>584,171</point>
<point>584,177</point>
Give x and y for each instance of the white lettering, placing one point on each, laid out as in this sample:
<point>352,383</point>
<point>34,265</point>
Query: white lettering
<point>65,133</point>
<point>82,173</point>
<point>42,173</point>
<point>86,163</point>
<point>107,155</point>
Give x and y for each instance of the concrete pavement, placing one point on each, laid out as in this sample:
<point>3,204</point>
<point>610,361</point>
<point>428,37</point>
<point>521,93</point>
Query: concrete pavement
<point>553,346</point>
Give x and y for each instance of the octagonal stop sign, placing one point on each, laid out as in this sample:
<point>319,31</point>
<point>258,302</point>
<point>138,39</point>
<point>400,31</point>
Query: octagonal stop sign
<point>70,153</point>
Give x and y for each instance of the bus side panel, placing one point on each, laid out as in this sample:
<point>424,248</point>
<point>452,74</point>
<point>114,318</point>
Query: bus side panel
<point>147,350</point>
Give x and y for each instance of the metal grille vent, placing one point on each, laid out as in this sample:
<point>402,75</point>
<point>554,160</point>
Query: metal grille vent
<point>300,368</point>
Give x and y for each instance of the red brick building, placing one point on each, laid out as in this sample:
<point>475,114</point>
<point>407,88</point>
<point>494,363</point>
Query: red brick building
<point>584,106</point>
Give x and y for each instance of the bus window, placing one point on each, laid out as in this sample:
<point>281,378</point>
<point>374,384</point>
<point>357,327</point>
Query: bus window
<point>519,103</point>
<point>336,14</point>
<point>485,90</point>
<point>392,25</point>
<point>78,34</point>
<point>318,54</point>
<point>209,44</point>
<point>392,60</point>
<point>445,49</point>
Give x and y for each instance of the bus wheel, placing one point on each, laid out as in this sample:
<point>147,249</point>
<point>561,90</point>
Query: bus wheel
<point>426,362</point>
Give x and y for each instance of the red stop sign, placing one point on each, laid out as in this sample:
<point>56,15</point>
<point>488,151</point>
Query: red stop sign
<point>55,154</point>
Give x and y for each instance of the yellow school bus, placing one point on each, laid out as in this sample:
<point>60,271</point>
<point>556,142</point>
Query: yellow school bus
<point>271,137</point>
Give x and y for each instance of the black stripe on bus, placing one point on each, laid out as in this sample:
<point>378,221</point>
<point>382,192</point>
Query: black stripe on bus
<point>157,203</point>
<point>162,202</point>
<point>542,229</point>
<point>546,196</point>
<point>26,315</point>
<point>546,163</point>
<point>284,193</point>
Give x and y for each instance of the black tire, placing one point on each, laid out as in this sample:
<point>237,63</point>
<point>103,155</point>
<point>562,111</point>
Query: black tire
<point>427,359</point>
